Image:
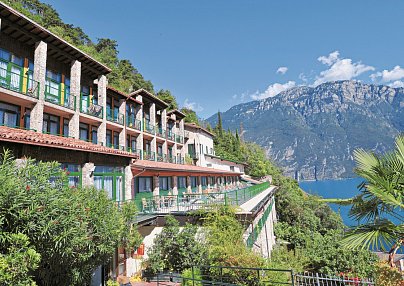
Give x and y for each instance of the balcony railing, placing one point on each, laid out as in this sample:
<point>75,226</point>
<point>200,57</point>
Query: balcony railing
<point>180,160</point>
<point>179,139</point>
<point>135,151</point>
<point>53,95</point>
<point>149,155</point>
<point>114,146</point>
<point>161,157</point>
<point>194,155</point>
<point>160,132</point>
<point>170,135</point>
<point>189,201</point>
<point>149,128</point>
<point>114,116</point>
<point>19,83</point>
<point>134,123</point>
<point>172,159</point>
<point>93,110</point>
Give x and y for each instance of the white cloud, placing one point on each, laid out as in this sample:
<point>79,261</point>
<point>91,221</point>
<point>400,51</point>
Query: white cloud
<point>397,83</point>
<point>273,90</point>
<point>303,77</point>
<point>282,70</point>
<point>340,69</point>
<point>192,105</point>
<point>395,74</point>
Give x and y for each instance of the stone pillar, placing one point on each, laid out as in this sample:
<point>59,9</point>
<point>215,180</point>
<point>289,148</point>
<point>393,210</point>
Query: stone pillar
<point>102,100</point>
<point>164,119</point>
<point>75,86</point>
<point>153,145</point>
<point>174,183</point>
<point>128,183</point>
<point>40,56</point>
<point>139,145</point>
<point>189,188</point>
<point>156,186</point>
<point>122,134</point>
<point>199,183</point>
<point>88,174</point>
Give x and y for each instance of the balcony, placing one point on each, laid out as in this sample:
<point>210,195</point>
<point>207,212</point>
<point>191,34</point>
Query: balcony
<point>149,128</point>
<point>179,139</point>
<point>161,157</point>
<point>149,155</point>
<point>114,146</point>
<point>93,110</point>
<point>172,159</point>
<point>170,135</point>
<point>194,155</point>
<point>135,151</point>
<point>19,83</point>
<point>160,132</point>
<point>134,123</point>
<point>114,116</point>
<point>180,160</point>
<point>54,95</point>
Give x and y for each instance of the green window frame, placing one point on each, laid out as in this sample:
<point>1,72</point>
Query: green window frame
<point>107,177</point>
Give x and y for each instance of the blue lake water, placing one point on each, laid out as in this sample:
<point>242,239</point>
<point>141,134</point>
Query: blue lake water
<point>341,189</point>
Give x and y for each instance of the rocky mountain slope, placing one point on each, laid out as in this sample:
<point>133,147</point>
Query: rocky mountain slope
<point>312,132</point>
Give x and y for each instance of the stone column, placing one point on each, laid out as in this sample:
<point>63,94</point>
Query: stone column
<point>122,134</point>
<point>87,174</point>
<point>156,186</point>
<point>199,183</point>
<point>128,183</point>
<point>75,86</point>
<point>164,127</point>
<point>189,188</point>
<point>102,100</point>
<point>139,145</point>
<point>139,116</point>
<point>153,145</point>
<point>40,56</point>
<point>174,183</point>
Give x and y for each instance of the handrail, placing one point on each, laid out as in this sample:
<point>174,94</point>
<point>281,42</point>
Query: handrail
<point>19,83</point>
<point>133,123</point>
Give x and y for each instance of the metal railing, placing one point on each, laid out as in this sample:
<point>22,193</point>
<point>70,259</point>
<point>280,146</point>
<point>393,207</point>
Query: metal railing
<point>135,151</point>
<point>20,83</point>
<point>180,160</point>
<point>179,139</point>
<point>149,155</point>
<point>133,123</point>
<point>170,135</point>
<point>114,116</point>
<point>253,236</point>
<point>67,101</point>
<point>160,132</point>
<point>161,157</point>
<point>234,276</point>
<point>188,201</point>
<point>93,110</point>
<point>148,127</point>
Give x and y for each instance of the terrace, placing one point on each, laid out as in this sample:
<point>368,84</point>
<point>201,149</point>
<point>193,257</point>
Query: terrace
<point>190,201</point>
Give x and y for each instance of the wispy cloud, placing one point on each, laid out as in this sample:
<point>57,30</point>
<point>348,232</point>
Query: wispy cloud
<point>340,68</point>
<point>273,90</point>
<point>282,70</point>
<point>192,105</point>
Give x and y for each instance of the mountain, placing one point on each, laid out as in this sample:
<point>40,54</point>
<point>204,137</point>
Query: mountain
<point>312,132</point>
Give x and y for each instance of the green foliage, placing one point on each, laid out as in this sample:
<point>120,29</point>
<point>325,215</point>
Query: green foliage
<point>387,276</point>
<point>17,259</point>
<point>73,230</point>
<point>191,278</point>
<point>191,116</point>
<point>167,97</point>
<point>314,231</point>
<point>175,249</point>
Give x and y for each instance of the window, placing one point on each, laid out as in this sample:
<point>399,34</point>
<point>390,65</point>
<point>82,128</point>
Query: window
<point>66,127</point>
<point>160,149</point>
<point>116,140</point>
<point>83,131</point>
<point>94,134</point>
<point>182,182</point>
<point>85,98</point>
<point>165,183</point>
<point>50,124</point>
<point>108,138</point>
<point>67,90</point>
<point>145,184</point>
<point>204,181</point>
<point>11,70</point>
<point>52,86</point>
<point>193,182</point>
<point>27,118</point>
<point>207,149</point>
<point>9,115</point>
<point>111,180</point>
<point>232,168</point>
<point>131,142</point>
<point>74,174</point>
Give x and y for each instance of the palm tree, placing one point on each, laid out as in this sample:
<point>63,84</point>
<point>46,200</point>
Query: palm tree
<point>379,206</point>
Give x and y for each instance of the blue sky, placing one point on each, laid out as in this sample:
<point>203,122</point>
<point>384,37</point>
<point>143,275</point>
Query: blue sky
<point>213,54</point>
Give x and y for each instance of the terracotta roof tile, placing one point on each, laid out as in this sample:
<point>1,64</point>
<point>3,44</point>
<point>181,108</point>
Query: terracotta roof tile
<point>144,164</point>
<point>34,138</point>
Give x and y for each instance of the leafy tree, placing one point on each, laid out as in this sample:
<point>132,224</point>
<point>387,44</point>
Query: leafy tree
<point>74,230</point>
<point>166,96</point>
<point>175,249</point>
<point>191,116</point>
<point>381,196</point>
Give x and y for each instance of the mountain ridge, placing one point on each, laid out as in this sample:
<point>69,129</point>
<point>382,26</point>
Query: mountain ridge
<point>311,131</point>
